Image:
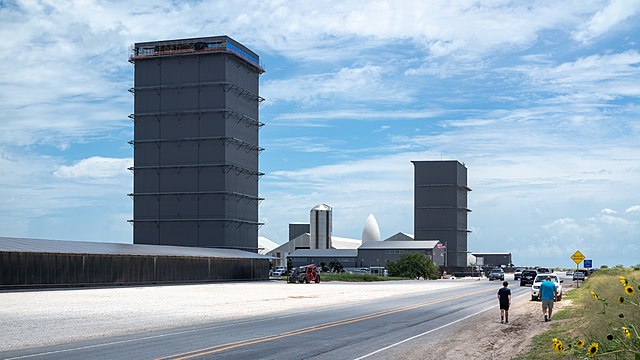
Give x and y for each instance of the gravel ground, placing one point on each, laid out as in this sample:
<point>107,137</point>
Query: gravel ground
<point>38,318</point>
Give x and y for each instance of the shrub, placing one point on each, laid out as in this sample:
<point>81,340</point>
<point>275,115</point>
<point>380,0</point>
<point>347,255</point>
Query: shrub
<point>413,265</point>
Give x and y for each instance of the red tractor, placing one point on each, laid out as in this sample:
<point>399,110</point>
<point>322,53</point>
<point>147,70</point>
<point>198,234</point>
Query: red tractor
<point>304,274</point>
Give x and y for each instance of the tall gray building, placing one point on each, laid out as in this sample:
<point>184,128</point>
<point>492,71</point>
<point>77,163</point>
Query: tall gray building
<point>196,143</point>
<point>440,213</point>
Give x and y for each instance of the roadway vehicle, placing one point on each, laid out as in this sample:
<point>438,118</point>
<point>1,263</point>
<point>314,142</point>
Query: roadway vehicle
<point>535,288</point>
<point>517,273</point>
<point>304,274</point>
<point>496,274</point>
<point>279,271</point>
<point>569,272</point>
<point>544,270</point>
<point>527,277</point>
<point>579,275</point>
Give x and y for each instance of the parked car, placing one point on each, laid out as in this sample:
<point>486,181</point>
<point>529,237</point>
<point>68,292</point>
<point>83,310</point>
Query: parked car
<point>496,274</point>
<point>569,272</point>
<point>527,277</point>
<point>279,271</point>
<point>535,288</point>
<point>517,273</point>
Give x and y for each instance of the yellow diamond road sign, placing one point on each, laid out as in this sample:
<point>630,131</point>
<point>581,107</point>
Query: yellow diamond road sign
<point>577,257</point>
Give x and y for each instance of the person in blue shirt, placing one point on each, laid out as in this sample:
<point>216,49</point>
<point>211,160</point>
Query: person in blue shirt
<point>548,294</point>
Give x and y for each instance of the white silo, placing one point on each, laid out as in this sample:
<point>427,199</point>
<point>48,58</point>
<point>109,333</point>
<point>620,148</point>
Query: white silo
<point>371,231</point>
<point>321,227</point>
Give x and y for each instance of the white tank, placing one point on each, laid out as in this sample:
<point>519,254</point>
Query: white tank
<point>371,231</point>
<point>321,227</point>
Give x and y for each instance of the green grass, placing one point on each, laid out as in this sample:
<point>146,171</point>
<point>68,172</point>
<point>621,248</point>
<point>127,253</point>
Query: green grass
<point>541,348</point>
<point>357,277</point>
<point>592,320</point>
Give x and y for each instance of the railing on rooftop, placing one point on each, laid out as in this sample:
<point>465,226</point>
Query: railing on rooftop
<point>178,48</point>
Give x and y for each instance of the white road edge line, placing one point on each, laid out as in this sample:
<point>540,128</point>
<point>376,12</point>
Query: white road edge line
<point>430,331</point>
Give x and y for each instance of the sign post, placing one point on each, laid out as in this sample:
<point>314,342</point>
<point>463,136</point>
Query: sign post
<point>577,257</point>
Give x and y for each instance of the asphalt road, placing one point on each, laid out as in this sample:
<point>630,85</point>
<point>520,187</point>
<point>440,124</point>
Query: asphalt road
<point>355,331</point>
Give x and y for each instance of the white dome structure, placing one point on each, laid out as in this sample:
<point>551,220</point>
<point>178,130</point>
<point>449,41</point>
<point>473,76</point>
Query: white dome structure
<point>371,231</point>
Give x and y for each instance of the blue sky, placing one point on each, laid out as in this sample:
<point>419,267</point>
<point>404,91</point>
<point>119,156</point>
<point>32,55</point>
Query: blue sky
<point>538,99</point>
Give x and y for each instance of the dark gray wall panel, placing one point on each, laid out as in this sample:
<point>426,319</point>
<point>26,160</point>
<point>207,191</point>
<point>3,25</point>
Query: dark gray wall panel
<point>212,97</point>
<point>178,179</point>
<point>147,101</point>
<point>178,99</point>
<point>147,72</point>
<point>212,151</point>
<point>179,152</point>
<point>212,124</point>
<point>182,233</point>
<point>146,181</point>
<point>146,207</point>
<point>146,127</point>
<point>212,67</point>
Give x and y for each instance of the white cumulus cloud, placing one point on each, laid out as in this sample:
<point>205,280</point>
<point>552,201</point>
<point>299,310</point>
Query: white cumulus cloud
<point>616,12</point>
<point>95,167</point>
<point>634,208</point>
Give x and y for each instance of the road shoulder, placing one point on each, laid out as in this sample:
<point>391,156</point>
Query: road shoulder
<point>484,337</point>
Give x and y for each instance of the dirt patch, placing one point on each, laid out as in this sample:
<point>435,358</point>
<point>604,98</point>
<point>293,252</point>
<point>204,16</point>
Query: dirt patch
<point>484,337</point>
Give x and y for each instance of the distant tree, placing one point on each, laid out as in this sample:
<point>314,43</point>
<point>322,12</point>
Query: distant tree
<point>335,266</point>
<point>604,267</point>
<point>289,264</point>
<point>414,265</point>
<point>324,267</point>
<point>619,266</point>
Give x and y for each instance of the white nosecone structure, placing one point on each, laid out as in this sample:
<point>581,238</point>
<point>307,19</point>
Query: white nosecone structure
<point>371,231</point>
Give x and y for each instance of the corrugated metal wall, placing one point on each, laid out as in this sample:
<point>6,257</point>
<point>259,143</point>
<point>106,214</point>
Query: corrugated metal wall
<point>25,269</point>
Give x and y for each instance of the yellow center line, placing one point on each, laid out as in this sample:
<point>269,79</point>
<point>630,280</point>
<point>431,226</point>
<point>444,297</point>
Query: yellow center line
<point>241,343</point>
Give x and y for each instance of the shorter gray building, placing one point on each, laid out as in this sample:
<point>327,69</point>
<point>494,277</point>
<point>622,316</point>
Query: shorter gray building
<point>297,229</point>
<point>400,237</point>
<point>379,253</point>
<point>371,254</point>
<point>346,257</point>
<point>493,259</point>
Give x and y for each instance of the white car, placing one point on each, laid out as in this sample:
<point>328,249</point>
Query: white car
<point>279,271</point>
<point>535,288</point>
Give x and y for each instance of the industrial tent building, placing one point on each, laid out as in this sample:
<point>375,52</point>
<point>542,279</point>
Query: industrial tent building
<point>379,253</point>
<point>346,257</point>
<point>41,263</point>
<point>493,259</point>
